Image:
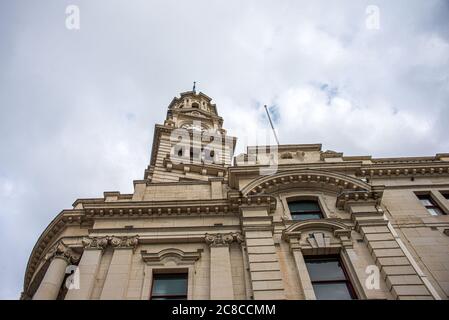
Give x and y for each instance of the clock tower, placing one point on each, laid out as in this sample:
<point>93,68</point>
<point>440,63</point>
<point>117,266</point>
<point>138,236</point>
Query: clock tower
<point>191,144</point>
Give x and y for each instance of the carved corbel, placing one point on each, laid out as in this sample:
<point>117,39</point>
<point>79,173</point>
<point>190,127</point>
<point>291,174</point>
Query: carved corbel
<point>345,237</point>
<point>293,238</point>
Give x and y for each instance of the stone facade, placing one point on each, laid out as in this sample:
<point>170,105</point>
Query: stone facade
<point>229,227</point>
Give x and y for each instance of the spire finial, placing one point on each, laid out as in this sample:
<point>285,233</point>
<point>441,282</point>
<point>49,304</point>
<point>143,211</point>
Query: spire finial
<point>194,87</point>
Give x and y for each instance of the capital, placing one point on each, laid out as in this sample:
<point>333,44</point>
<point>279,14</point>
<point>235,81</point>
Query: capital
<point>98,243</point>
<point>222,239</point>
<point>124,242</point>
<point>61,250</point>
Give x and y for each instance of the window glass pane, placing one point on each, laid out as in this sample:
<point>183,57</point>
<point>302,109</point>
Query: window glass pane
<point>426,202</point>
<point>325,269</point>
<point>434,211</point>
<point>169,284</point>
<point>305,216</point>
<point>169,298</point>
<point>303,206</point>
<point>332,291</point>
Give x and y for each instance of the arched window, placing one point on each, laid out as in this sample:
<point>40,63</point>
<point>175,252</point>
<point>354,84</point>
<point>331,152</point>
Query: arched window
<point>195,105</point>
<point>305,209</point>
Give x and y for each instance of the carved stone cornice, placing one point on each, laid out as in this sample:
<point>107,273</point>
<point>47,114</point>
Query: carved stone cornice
<point>130,209</point>
<point>98,243</point>
<point>223,239</point>
<point>61,250</point>
<point>400,169</point>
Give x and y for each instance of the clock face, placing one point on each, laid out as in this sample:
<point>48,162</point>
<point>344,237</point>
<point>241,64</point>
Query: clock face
<point>192,126</point>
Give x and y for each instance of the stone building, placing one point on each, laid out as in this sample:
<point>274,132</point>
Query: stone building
<point>287,222</point>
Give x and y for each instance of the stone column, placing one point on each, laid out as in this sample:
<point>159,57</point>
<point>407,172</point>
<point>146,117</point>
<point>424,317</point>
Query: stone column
<point>221,287</point>
<point>118,274</point>
<point>61,256</point>
<point>88,268</point>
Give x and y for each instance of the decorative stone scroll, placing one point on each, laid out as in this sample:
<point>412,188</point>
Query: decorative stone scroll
<point>223,239</point>
<point>61,250</point>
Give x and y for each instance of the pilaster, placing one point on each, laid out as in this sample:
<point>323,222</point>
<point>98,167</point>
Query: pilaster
<point>397,269</point>
<point>265,272</point>
<point>117,278</point>
<point>88,267</point>
<point>221,287</point>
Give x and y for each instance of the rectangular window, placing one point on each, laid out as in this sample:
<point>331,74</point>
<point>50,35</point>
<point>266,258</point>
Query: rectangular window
<point>430,204</point>
<point>329,278</point>
<point>305,210</point>
<point>169,286</point>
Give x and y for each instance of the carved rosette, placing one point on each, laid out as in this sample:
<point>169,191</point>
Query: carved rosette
<point>223,239</point>
<point>61,250</point>
<point>98,243</point>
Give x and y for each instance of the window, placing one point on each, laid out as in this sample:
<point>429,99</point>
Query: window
<point>329,278</point>
<point>429,203</point>
<point>305,210</point>
<point>445,194</point>
<point>169,286</point>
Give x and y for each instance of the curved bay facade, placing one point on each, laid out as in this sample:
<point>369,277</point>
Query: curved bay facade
<point>280,222</point>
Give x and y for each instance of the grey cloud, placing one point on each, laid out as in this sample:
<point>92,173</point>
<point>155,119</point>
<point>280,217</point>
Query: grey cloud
<point>78,107</point>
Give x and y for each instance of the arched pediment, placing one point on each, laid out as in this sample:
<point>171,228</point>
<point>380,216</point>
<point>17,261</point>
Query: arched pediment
<point>171,255</point>
<point>318,236</point>
<point>317,225</point>
<point>306,178</point>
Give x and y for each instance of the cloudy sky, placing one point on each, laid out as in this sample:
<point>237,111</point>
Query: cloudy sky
<point>77,107</point>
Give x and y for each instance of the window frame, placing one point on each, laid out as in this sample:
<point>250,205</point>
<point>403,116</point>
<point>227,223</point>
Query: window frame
<point>348,281</point>
<point>445,194</point>
<point>294,195</point>
<point>173,296</point>
<point>433,204</point>
<point>293,214</point>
